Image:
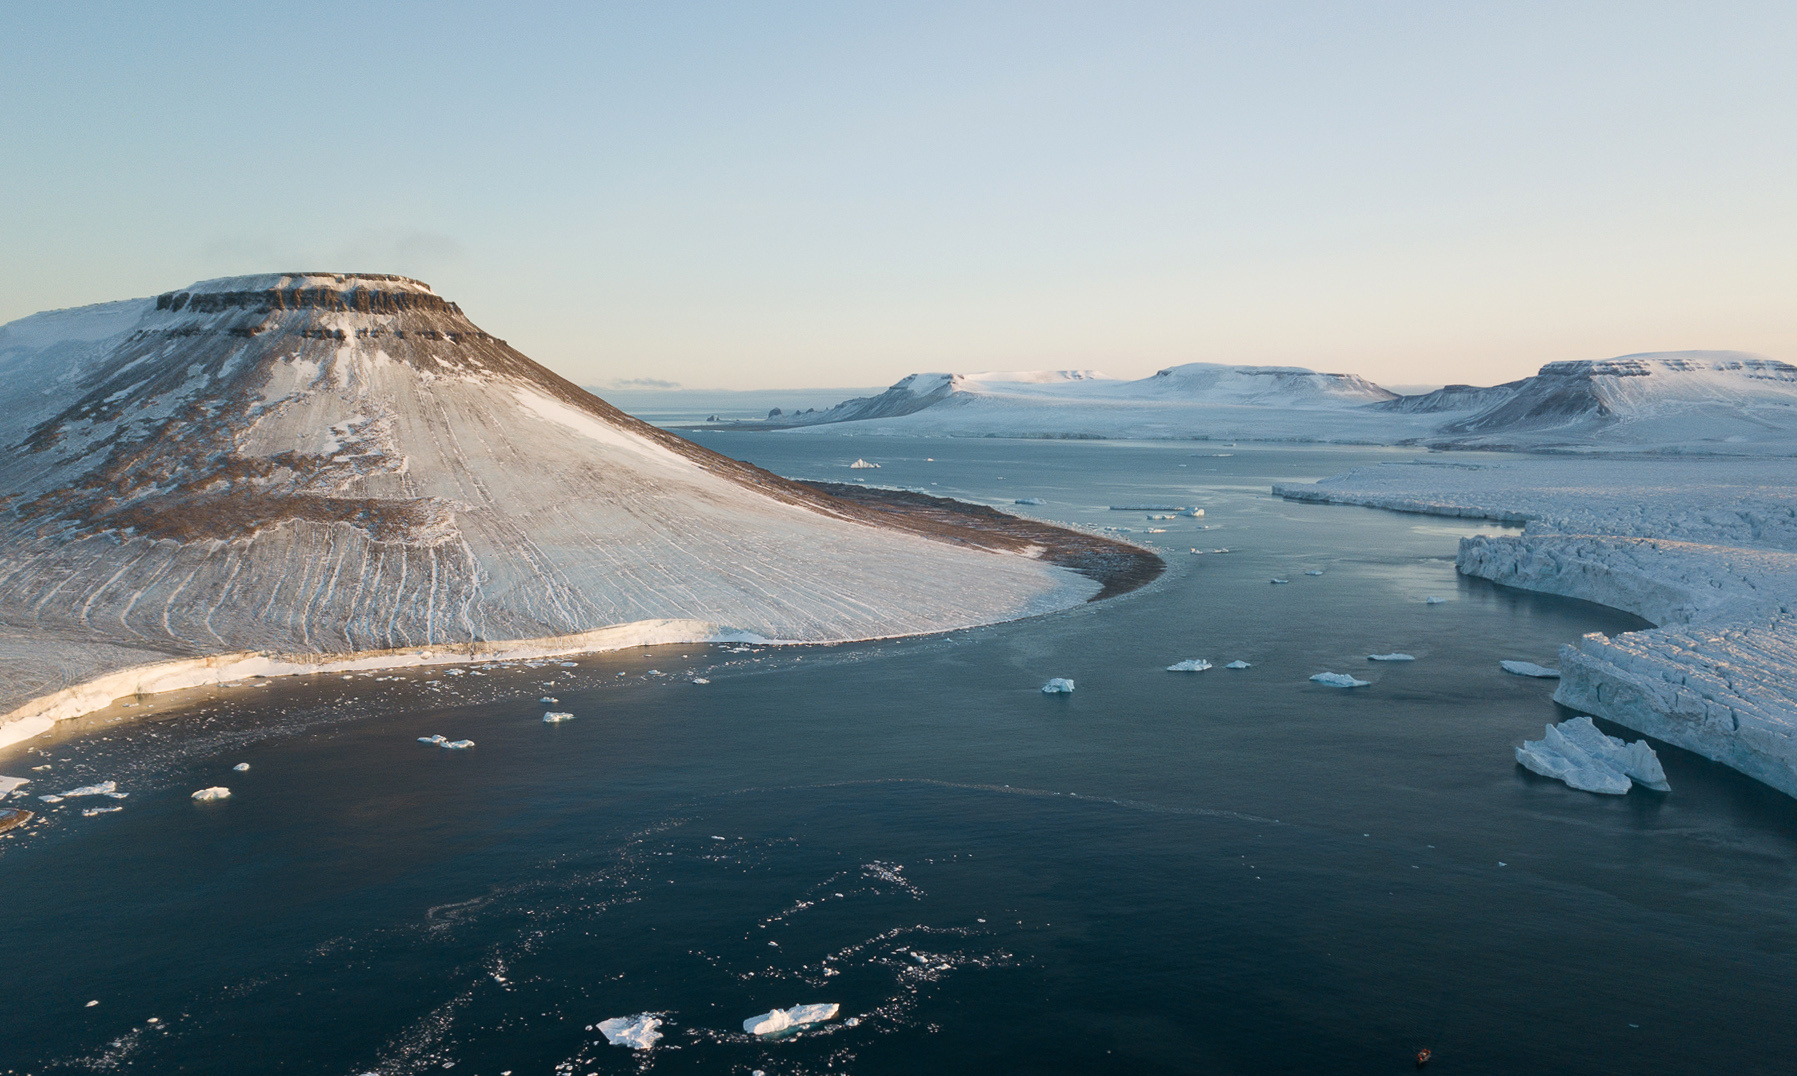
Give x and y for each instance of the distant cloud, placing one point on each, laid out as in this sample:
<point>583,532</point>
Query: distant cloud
<point>640,383</point>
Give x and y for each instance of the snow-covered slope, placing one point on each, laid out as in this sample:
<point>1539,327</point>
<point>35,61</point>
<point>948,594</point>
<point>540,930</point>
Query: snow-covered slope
<point>1196,400</point>
<point>328,463</point>
<point>1704,548</point>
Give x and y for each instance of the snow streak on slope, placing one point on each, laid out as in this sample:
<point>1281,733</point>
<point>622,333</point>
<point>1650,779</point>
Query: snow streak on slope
<point>327,463</point>
<point>1704,548</point>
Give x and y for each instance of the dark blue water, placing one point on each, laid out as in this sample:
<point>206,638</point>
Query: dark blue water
<point>1228,872</point>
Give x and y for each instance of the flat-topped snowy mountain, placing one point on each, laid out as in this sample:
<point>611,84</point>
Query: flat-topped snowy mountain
<point>1687,401</point>
<point>1192,400</point>
<point>329,463</point>
<point>1690,400</point>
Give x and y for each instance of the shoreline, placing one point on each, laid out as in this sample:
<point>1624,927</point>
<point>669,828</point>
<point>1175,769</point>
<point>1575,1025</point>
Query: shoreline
<point>1714,675</point>
<point>1117,567</point>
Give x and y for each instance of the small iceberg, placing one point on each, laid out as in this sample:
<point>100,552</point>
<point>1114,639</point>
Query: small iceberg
<point>1391,657</point>
<point>1192,513</point>
<point>1529,668</point>
<point>775,1021</point>
<point>1060,685</point>
<point>458,745</point>
<point>549,700</point>
<point>1433,600</point>
<point>1190,665</point>
<point>433,740</point>
<point>1313,572</point>
<point>216,792</point>
<point>1029,500</point>
<point>636,1032</point>
<point>863,465</point>
<point>104,788</point>
<point>1335,679</point>
<point>1238,664</point>
<point>1278,581</point>
<point>700,680</point>
<point>242,767</point>
<point>555,717</point>
<point>1578,753</point>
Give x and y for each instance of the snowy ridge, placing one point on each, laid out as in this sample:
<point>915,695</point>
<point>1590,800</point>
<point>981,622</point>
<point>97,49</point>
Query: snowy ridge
<point>1705,549</point>
<point>344,464</point>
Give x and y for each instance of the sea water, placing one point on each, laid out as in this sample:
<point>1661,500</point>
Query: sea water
<point>1234,871</point>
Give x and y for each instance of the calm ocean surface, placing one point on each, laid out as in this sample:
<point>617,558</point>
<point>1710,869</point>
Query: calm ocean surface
<point>1227,872</point>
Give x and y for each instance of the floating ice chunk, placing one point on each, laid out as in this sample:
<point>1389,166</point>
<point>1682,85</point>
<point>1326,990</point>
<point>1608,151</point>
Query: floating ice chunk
<point>1192,513</point>
<point>549,700</point>
<point>1238,664</point>
<point>241,767</point>
<point>1578,753</point>
<point>1029,500</point>
<point>93,811</point>
<point>1281,581</point>
<point>1219,551</point>
<point>700,680</point>
<point>862,465</point>
<point>437,739</point>
<point>91,1004</point>
<point>216,792</point>
<point>1529,668</point>
<point>1190,665</point>
<point>1313,572</point>
<point>458,745</point>
<point>1157,530</point>
<point>636,1032</point>
<point>775,1021</point>
<point>104,788</point>
<point>52,798</point>
<point>9,785</point>
<point>555,717</point>
<point>1391,657</point>
<point>1433,600</point>
<point>1335,679</point>
<point>1060,685</point>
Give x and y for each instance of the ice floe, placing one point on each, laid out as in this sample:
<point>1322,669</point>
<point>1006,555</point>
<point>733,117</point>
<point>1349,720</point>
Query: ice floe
<point>1060,685</point>
<point>1238,664</point>
<point>437,739</point>
<point>458,745</point>
<point>775,1021</point>
<point>1190,665</point>
<point>1391,657</point>
<point>216,792</point>
<point>12,784</point>
<point>94,812</point>
<point>241,767</point>
<point>636,1032</point>
<point>1578,753</point>
<point>1335,679</point>
<point>1529,668</point>
<point>700,680</point>
<point>554,717</point>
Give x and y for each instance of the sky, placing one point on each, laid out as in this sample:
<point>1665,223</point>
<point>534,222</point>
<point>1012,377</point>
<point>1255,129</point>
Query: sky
<point>729,195</point>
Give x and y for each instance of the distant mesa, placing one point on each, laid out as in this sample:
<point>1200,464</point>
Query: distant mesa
<point>302,465</point>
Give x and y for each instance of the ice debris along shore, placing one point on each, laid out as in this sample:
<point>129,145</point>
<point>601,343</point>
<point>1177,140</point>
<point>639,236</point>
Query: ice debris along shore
<point>637,1032</point>
<point>1190,665</point>
<point>1579,753</point>
<point>1060,685</point>
<point>777,1020</point>
<point>1703,548</point>
<point>1529,668</point>
<point>1335,679</point>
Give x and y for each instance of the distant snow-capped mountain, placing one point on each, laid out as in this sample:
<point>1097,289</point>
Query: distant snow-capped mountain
<point>1688,401</point>
<point>334,463</point>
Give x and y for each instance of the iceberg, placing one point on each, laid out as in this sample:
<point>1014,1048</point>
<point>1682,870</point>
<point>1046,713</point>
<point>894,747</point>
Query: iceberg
<point>636,1032</point>
<point>1276,581</point>
<point>1192,513</point>
<point>437,739</point>
<point>554,717</point>
<point>104,788</point>
<point>700,680</point>
<point>1391,657</point>
<point>1060,685</point>
<point>1238,664</point>
<point>862,465</point>
<point>216,792</point>
<point>241,767</point>
<point>549,700</point>
<point>775,1021</point>
<point>1335,679</point>
<point>1433,600</point>
<point>1529,668</point>
<point>458,745</point>
<point>1578,753</point>
<point>1313,572</point>
<point>1029,500</point>
<point>1190,665</point>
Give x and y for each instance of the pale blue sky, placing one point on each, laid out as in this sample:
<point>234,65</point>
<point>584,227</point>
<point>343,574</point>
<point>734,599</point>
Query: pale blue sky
<point>746,195</point>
